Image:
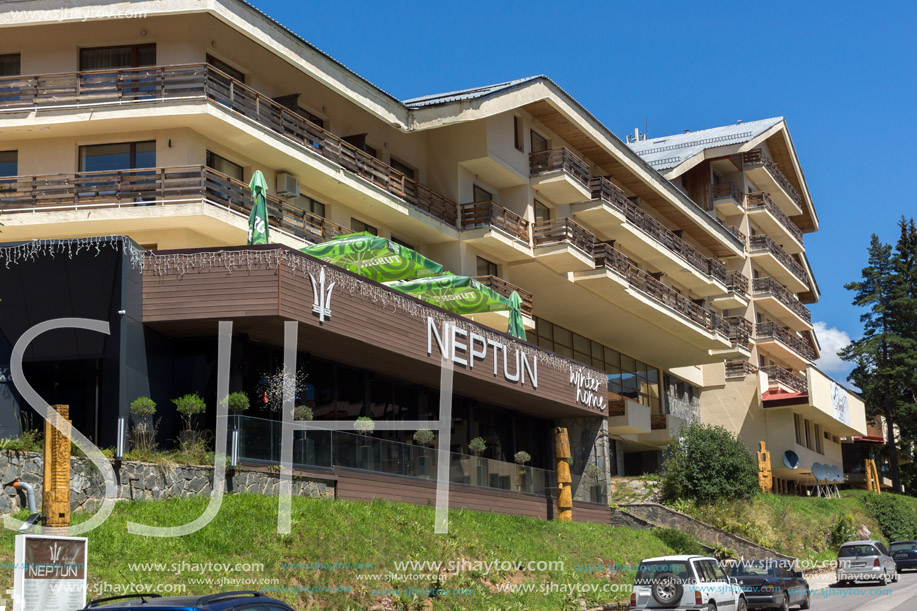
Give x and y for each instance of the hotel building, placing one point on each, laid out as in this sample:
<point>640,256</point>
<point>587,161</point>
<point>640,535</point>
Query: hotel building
<point>127,143</point>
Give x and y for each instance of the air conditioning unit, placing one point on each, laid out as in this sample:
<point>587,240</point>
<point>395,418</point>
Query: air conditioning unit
<point>287,185</point>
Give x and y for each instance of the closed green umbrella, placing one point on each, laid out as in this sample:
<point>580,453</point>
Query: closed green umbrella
<point>516,324</point>
<point>257,220</point>
<point>374,258</point>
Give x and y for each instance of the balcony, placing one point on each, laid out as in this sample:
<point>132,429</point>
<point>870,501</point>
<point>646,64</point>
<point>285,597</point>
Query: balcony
<point>499,320</point>
<point>496,231</point>
<point>616,217</point>
<point>779,265</point>
<point>559,175</point>
<point>133,201</point>
<point>762,169</point>
<point>727,199</point>
<point>784,344</point>
<point>736,295</point>
<point>563,245</point>
<point>779,375</point>
<point>771,219</point>
<point>739,368</point>
<point>627,417</point>
<point>782,304</point>
<point>183,83</point>
<point>740,330</point>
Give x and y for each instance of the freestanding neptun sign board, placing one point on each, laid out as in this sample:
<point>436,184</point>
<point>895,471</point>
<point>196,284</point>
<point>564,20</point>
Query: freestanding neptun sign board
<point>50,573</point>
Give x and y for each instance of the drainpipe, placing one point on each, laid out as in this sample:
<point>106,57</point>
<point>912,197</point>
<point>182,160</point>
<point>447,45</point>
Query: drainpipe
<point>29,492</point>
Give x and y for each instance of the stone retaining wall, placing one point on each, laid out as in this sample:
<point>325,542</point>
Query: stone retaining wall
<point>140,481</point>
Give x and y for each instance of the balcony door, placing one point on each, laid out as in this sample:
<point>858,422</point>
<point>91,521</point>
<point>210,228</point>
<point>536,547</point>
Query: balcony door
<point>118,79</point>
<point>114,172</point>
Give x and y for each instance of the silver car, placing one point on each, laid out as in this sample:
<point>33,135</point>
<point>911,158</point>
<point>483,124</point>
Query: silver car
<point>865,561</point>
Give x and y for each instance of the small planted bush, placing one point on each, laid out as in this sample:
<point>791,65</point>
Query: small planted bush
<point>595,473</point>
<point>188,406</point>
<point>477,445</point>
<point>424,437</point>
<point>143,406</point>
<point>302,412</point>
<point>364,425</point>
<point>237,402</point>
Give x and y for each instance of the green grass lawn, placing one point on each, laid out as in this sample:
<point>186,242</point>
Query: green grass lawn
<point>377,533</point>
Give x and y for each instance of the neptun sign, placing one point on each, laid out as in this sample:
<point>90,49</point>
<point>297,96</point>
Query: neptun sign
<point>50,573</point>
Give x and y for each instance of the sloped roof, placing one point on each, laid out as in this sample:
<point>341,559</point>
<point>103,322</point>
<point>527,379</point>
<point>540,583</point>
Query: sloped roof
<point>465,94</point>
<point>668,152</point>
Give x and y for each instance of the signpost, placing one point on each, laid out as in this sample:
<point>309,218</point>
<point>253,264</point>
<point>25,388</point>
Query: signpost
<point>56,488</point>
<point>765,475</point>
<point>50,573</point>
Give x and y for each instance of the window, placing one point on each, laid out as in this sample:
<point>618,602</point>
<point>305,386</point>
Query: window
<point>403,168</point>
<point>311,117</point>
<point>128,56</point>
<point>808,434</point>
<point>10,64</point>
<point>224,67</point>
<point>797,421</point>
<point>539,142</point>
<point>118,156</point>
<point>517,133</point>
<point>542,212</point>
<point>310,205</point>
<point>224,166</point>
<point>9,163</point>
<point>486,268</point>
<point>818,439</point>
<point>401,243</point>
<point>360,226</point>
<point>482,195</point>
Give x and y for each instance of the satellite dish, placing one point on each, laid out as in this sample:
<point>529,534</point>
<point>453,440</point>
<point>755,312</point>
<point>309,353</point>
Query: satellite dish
<point>818,470</point>
<point>838,473</point>
<point>790,459</point>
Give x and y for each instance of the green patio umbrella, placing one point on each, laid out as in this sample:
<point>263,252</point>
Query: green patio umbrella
<point>516,324</point>
<point>375,258</point>
<point>257,220</point>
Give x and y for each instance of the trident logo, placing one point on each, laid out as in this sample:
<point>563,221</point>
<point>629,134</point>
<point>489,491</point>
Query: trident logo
<point>55,552</point>
<point>321,300</point>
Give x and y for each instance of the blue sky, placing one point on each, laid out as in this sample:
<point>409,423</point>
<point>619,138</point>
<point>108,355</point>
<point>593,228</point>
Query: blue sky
<point>841,73</point>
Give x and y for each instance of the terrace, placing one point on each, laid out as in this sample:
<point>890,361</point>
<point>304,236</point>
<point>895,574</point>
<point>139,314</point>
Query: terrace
<point>560,175</point>
<point>762,169</point>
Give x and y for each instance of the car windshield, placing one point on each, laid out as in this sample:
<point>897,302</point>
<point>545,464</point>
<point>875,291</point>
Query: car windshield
<point>649,570</point>
<point>899,547</point>
<point>752,569</point>
<point>848,551</point>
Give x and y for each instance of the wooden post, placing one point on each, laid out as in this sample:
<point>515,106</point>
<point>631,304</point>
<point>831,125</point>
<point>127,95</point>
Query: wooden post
<point>564,480</point>
<point>765,475</point>
<point>872,477</point>
<point>56,484</point>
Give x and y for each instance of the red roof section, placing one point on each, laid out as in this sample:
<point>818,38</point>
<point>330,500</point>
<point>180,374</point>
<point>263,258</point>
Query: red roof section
<point>776,398</point>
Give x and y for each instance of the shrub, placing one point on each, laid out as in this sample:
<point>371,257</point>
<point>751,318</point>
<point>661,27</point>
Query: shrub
<point>189,405</point>
<point>364,425</point>
<point>477,445</point>
<point>708,463</point>
<point>680,542</point>
<point>424,437</point>
<point>237,402</point>
<point>593,472</point>
<point>521,457</point>
<point>143,406</point>
<point>843,530</point>
<point>302,412</point>
<point>896,519</point>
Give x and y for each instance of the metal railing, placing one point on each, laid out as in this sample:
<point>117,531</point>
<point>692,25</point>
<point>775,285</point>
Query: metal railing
<point>758,158</point>
<point>552,160</point>
<point>477,215</point>
<point>605,190</point>
<point>757,243</point>
<point>762,201</point>
<point>769,286</point>
<point>739,368</point>
<point>506,289</point>
<point>202,81</point>
<point>786,377</point>
<point>155,187</point>
<point>564,230</point>
<point>773,331</point>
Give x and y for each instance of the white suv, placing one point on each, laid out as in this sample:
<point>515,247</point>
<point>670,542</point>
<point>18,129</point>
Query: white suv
<point>680,583</point>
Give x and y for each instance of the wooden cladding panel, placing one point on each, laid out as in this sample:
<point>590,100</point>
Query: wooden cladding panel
<point>207,295</point>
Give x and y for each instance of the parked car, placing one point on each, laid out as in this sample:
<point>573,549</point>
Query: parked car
<point>771,584</point>
<point>904,554</point>
<point>227,601</point>
<point>865,561</point>
<point>685,582</point>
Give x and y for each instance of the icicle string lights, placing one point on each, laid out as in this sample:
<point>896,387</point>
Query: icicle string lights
<point>30,251</point>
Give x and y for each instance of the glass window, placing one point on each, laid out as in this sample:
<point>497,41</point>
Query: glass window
<point>313,118</point>
<point>9,163</point>
<point>10,64</point>
<point>224,67</point>
<point>542,212</point>
<point>128,56</point>
<point>486,267</point>
<point>808,434</point>
<point>482,195</point>
<point>517,133</point>
<point>403,168</point>
<point>118,156</point>
<point>718,573</point>
<point>539,142</point>
<point>350,393</point>
<point>359,226</point>
<point>309,205</point>
<point>224,166</point>
<point>797,420</point>
<point>401,242</point>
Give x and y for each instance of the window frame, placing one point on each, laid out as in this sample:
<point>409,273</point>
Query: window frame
<point>532,137</point>
<point>135,56</point>
<point>210,156</point>
<point>518,134</point>
<point>226,68</point>
<point>476,189</point>
<point>490,268</point>
<point>366,226</point>
<point>132,155</point>
<point>400,166</point>
<point>15,161</point>
<point>18,68</point>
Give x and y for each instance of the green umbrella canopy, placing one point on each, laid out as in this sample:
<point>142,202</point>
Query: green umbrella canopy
<point>457,294</point>
<point>258,230</point>
<point>516,324</point>
<point>374,258</point>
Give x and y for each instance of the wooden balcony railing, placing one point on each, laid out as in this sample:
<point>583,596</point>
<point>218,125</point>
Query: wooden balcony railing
<point>739,368</point>
<point>605,190</point>
<point>726,190</point>
<point>786,377</point>
<point>769,286</point>
<point>658,423</point>
<point>773,331</point>
<point>740,330</point>
<point>738,233</point>
<point>559,159</point>
<point>757,243</point>
<point>736,282</point>
<point>556,231</point>
<point>154,187</point>
<point>506,289</point>
<point>477,215</point>
<point>202,81</point>
<point>758,158</point>
<point>762,201</point>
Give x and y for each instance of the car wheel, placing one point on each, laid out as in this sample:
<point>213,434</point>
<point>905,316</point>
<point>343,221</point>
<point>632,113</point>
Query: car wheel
<point>712,607</point>
<point>895,577</point>
<point>667,590</point>
<point>786,603</point>
<point>806,603</point>
<point>883,579</point>
<point>743,605</point>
